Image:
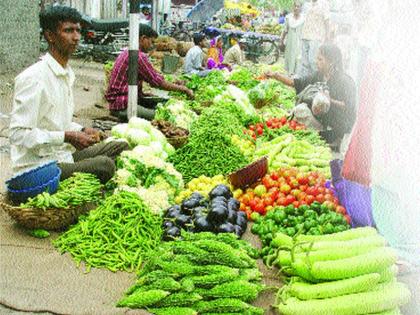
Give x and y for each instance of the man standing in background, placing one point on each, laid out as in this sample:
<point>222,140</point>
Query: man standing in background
<point>315,32</point>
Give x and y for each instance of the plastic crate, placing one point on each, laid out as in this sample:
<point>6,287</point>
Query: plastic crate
<point>34,177</point>
<point>21,195</point>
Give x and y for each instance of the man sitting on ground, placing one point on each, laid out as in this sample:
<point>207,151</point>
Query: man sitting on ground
<point>194,60</point>
<point>117,93</point>
<point>41,127</point>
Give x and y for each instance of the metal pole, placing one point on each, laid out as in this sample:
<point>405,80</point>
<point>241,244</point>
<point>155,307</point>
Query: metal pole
<point>155,12</point>
<point>124,8</point>
<point>133,60</point>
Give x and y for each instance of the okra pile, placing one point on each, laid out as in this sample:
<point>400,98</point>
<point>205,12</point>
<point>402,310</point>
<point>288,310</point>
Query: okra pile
<point>202,274</point>
<point>116,235</point>
<point>79,189</point>
<point>346,273</point>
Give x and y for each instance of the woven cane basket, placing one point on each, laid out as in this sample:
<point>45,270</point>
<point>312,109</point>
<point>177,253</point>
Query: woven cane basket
<point>249,174</point>
<point>49,219</point>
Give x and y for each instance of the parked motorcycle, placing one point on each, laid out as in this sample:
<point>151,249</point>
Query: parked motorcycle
<point>105,31</point>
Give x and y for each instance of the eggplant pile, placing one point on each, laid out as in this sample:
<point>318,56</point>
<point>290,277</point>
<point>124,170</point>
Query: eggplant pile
<point>218,214</point>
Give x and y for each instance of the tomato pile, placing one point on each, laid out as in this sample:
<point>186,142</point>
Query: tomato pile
<point>274,123</point>
<point>288,187</point>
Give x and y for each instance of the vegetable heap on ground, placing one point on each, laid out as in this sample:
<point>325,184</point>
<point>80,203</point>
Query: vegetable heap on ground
<point>210,150</point>
<point>243,78</point>
<point>315,219</point>
<point>116,235</point>
<point>217,214</point>
<point>288,151</point>
<point>271,92</point>
<point>141,135</point>
<point>288,186</point>
<point>202,185</point>
<point>347,273</point>
<point>177,112</point>
<point>154,180</point>
<point>202,274</point>
<point>79,189</point>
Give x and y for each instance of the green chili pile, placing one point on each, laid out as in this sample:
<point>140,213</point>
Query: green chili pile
<point>79,189</point>
<point>210,150</point>
<point>116,235</point>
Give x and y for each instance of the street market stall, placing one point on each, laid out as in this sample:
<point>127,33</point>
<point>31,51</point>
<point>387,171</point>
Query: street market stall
<point>195,183</point>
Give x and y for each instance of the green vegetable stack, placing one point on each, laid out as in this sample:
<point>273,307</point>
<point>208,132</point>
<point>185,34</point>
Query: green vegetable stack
<point>77,190</point>
<point>202,274</point>
<point>210,150</point>
<point>346,273</point>
<point>314,219</point>
<point>287,151</point>
<point>243,78</point>
<point>272,93</point>
<point>116,235</point>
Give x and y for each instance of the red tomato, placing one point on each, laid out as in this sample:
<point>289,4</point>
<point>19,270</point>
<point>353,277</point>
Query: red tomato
<point>268,201</point>
<point>320,198</point>
<point>252,127</point>
<point>302,203</point>
<point>312,191</point>
<point>245,199</point>
<point>290,199</point>
<point>340,209</point>
<point>242,207</point>
<point>260,131</point>
<point>321,190</point>
<point>292,124</point>
<point>301,196</point>
<point>285,188</point>
<point>283,120</point>
<point>260,208</point>
<point>294,183</point>
<point>266,181</point>
<point>329,197</point>
<point>309,199</point>
<point>274,193</point>
<point>251,194</point>
<point>253,204</point>
<point>302,179</point>
<point>269,123</point>
<point>274,176</point>
<point>303,187</point>
<point>295,192</point>
<point>296,204</point>
<point>282,201</point>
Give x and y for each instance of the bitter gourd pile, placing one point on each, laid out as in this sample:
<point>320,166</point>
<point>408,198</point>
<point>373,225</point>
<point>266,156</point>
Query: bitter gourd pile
<point>200,274</point>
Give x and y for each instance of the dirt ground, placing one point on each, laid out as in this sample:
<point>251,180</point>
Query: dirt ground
<point>35,278</point>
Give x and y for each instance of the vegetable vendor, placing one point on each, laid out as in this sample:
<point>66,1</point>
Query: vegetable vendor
<point>194,60</point>
<point>235,54</point>
<point>117,93</point>
<point>215,54</point>
<point>41,127</point>
<point>340,117</point>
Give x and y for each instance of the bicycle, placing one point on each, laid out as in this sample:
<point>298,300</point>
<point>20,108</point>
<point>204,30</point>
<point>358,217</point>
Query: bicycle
<point>261,50</point>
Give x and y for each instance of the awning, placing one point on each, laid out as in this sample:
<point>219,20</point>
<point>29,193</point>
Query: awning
<point>205,10</point>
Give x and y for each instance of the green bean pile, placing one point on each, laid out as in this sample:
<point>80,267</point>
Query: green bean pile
<point>210,150</point>
<point>79,189</point>
<point>115,236</point>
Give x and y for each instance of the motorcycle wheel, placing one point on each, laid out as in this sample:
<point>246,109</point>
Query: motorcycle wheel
<point>268,52</point>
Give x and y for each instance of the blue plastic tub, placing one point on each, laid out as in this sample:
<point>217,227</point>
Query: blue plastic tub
<point>21,195</point>
<point>35,177</point>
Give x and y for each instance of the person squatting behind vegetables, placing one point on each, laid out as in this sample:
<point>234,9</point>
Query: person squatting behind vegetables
<point>338,119</point>
<point>41,127</point>
<point>194,60</point>
<point>235,54</point>
<point>215,56</point>
<point>117,93</point>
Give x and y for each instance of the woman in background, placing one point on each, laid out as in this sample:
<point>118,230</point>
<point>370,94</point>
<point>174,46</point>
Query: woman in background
<point>215,56</point>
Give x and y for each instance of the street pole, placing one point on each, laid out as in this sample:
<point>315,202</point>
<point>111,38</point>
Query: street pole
<point>133,60</point>
<point>155,14</point>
